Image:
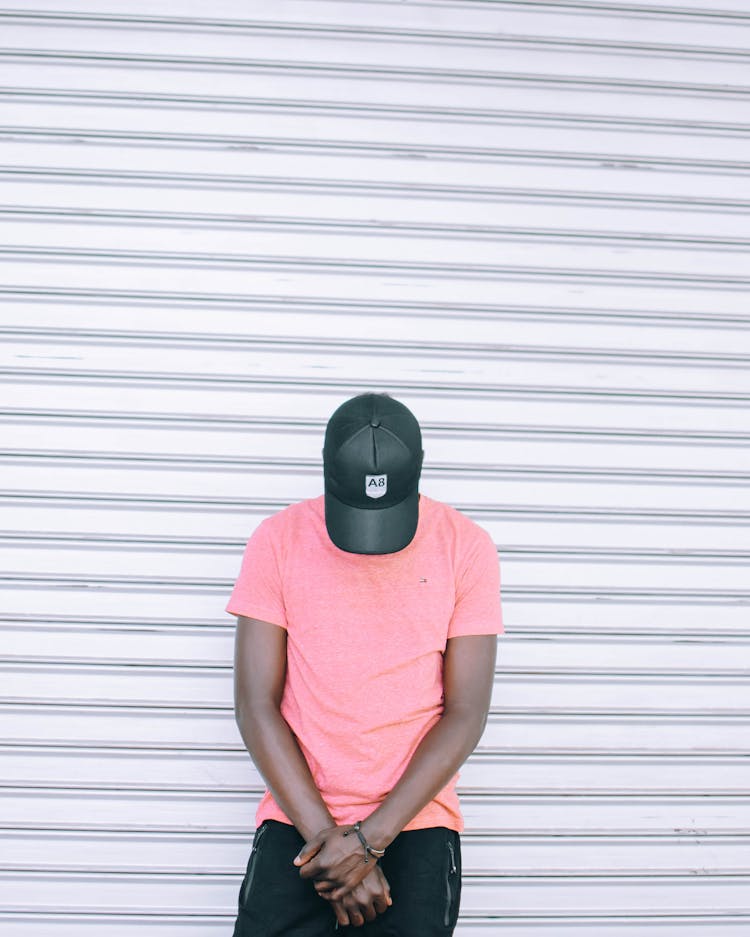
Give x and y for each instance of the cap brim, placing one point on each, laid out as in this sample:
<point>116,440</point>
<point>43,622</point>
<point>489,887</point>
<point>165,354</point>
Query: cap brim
<point>378,530</point>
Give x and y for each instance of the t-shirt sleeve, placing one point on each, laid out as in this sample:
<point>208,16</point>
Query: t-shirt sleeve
<point>478,609</point>
<point>257,591</point>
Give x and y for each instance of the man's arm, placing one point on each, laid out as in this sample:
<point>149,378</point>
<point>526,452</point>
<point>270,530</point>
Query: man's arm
<point>468,673</point>
<point>259,674</point>
<point>468,676</point>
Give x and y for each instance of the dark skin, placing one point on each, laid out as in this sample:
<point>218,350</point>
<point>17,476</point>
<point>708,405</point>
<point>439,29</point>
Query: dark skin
<point>358,891</point>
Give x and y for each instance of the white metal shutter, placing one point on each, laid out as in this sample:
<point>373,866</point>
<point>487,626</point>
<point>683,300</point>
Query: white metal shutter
<point>527,221</point>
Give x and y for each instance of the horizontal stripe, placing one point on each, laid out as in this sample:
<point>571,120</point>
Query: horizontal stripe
<point>373,72</point>
<point>422,35</point>
<point>188,221</point>
<point>444,191</point>
<point>435,113</point>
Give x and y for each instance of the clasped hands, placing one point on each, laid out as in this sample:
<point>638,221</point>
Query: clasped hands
<point>358,890</point>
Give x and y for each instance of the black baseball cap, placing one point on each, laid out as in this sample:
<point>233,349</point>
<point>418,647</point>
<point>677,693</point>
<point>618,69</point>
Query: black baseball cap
<point>372,460</point>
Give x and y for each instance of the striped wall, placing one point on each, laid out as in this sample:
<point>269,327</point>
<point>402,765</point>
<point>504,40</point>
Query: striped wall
<point>529,222</point>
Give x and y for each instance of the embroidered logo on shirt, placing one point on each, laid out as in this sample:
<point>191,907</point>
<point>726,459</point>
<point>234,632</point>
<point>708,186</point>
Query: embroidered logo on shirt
<point>423,580</point>
<point>376,485</point>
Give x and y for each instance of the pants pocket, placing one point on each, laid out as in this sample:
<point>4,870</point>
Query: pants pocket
<point>247,881</point>
<point>452,881</point>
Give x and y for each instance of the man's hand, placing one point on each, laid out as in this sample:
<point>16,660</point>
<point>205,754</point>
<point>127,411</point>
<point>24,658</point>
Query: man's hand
<point>365,901</point>
<point>335,861</point>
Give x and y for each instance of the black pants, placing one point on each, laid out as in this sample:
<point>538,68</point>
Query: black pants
<point>423,868</point>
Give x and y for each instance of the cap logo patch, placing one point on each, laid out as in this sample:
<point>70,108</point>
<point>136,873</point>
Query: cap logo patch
<point>376,485</point>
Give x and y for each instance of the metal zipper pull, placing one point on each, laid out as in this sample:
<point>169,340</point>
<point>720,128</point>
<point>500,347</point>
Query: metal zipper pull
<point>251,873</point>
<point>448,896</point>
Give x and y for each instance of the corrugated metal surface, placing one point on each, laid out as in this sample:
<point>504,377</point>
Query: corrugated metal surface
<point>529,222</point>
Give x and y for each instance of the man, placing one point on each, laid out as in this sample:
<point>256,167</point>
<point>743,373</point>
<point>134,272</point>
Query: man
<point>364,660</point>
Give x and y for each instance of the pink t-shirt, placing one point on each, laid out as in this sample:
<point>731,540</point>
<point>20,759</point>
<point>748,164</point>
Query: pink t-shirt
<point>365,642</point>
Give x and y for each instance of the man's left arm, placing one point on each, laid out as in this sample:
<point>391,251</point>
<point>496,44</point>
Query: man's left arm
<point>468,672</point>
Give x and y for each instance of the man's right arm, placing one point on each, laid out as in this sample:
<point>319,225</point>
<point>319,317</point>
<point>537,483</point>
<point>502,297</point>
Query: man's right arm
<point>259,674</point>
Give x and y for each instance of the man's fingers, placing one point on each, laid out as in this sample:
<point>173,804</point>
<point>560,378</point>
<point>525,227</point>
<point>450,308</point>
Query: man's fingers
<point>324,888</point>
<point>366,902</point>
<point>352,908</point>
<point>309,850</point>
<point>341,916</point>
<point>385,886</point>
<point>311,867</point>
<point>380,903</point>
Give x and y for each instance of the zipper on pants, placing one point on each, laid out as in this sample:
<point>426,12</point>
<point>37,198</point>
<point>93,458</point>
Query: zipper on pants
<point>252,863</point>
<point>448,896</point>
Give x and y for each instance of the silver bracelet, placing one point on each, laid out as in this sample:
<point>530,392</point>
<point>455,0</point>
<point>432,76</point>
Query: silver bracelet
<point>369,850</point>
